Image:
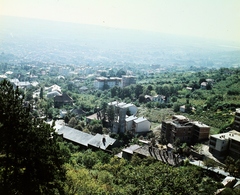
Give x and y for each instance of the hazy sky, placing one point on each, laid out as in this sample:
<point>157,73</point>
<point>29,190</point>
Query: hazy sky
<point>218,19</point>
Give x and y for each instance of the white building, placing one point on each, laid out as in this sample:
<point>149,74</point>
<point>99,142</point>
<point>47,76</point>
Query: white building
<point>53,88</point>
<point>225,144</point>
<point>102,82</point>
<point>129,122</point>
<point>141,125</point>
<point>121,109</point>
<point>159,98</point>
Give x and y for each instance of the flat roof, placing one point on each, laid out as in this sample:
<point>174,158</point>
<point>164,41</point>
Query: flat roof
<point>199,124</point>
<point>130,118</point>
<point>229,135</point>
<point>140,119</point>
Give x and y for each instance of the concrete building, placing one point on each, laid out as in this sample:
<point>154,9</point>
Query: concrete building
<point>236,124</point>
<point>200,131</point>
<point>120,112</point>
<point>105,83</point>
<point>141,125</point>
<point>128,80</point>
<point>180,128</point>
<point>221,145</point>
<point>129,122</point>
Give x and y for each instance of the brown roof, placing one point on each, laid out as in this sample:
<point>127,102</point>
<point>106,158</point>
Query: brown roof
<point>63,98</point>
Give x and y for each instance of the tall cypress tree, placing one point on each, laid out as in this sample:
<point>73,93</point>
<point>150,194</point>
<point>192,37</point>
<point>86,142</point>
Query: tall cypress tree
<point>30,158</point>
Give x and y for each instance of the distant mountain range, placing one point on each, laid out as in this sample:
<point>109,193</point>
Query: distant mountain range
<point>71,43</point>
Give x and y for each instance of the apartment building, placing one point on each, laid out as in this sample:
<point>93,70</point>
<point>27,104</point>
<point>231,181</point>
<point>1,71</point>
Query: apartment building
<point>236,124</point>
<point>103,82</point>
<point>125,119</point>
<point>224,144</point>
<point>182,129</point>
<point>128,80</point>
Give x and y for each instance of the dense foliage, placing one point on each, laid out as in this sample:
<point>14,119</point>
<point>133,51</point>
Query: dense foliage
<point>96,173</point>
<point>31,161</point>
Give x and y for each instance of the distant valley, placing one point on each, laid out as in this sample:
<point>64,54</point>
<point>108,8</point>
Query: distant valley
<point>68,43</point>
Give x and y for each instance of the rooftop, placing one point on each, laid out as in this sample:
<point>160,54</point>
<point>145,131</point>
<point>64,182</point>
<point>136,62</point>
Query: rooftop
<point>75,135</point>
<point>180,117</point>
<point>131,149</point>
<point>130,118</point>
<point>140,119</point>
<point>101,141</point>
<point>238,110</point>
<point>82,138</point>
<point>235,135</point>
<point>199,124</point>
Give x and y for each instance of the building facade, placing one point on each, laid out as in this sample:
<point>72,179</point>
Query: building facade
<point>224,144</point>
<point>128,80</point>
<point>120,112</point>
<point>183,130</point>
<point>105,83</point>
<point>236,124</point>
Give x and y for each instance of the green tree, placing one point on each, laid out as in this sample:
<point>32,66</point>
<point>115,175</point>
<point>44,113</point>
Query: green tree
<point>138,90</point>
<point>30,158</point>
<point>41,93</point>
<point>110,114</point>
<point>73,122</point>
<point>120,73</point>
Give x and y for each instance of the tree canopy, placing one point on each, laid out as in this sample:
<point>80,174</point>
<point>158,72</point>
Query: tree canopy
<point>30,157</point>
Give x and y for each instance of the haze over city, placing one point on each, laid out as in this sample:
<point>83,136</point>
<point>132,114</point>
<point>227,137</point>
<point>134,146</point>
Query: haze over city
<point>120,97</point>
<point>215,19</point>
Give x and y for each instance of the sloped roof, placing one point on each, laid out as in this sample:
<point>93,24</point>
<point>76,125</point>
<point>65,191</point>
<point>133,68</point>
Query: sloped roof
<point>131,149</point>
<point>79,137</point>
<point>101,141</point>
<point>63,98</point>
<point>53,93</point>
<point>75,135</point>
<point>77,111</point>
